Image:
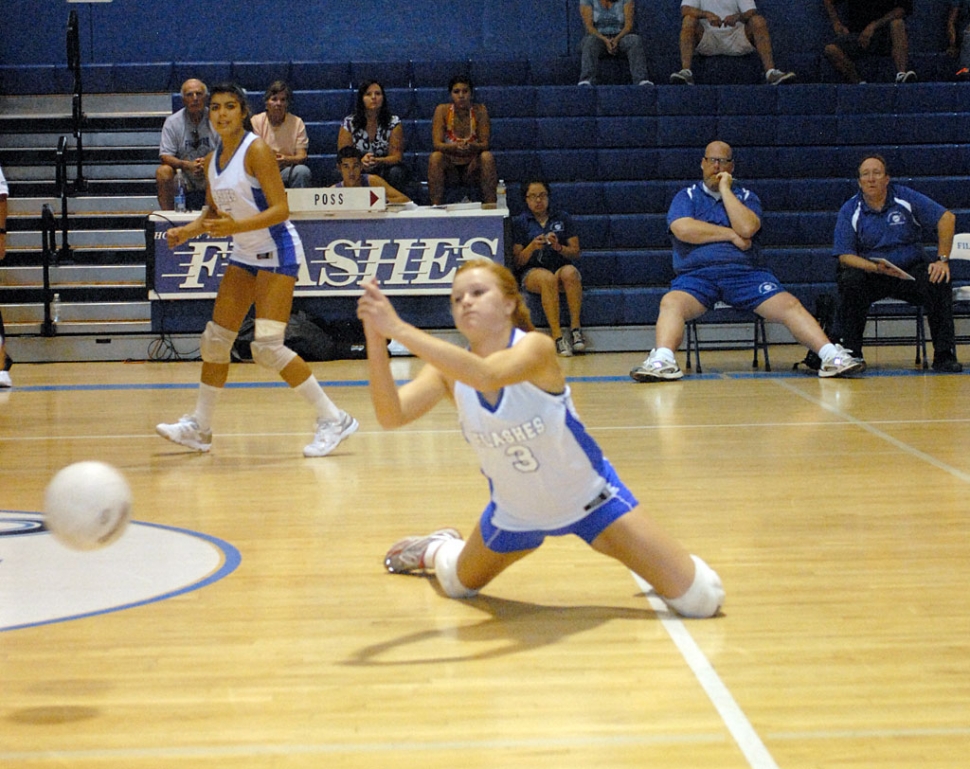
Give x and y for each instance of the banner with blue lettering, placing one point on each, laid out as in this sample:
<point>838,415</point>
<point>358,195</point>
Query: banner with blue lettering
<point>409,253</point>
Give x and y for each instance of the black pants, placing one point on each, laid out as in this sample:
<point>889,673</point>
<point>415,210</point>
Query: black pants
<point>858,289</point>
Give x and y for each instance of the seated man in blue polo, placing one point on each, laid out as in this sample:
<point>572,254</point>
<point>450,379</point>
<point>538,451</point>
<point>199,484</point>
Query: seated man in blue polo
<point>714,229</point>
<point>879,245</point>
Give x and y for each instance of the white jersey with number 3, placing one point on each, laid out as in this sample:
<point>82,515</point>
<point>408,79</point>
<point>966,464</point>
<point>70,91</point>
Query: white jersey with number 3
<point>543,467</point>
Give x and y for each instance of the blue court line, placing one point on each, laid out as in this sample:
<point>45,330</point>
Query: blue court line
<point>709,376</point>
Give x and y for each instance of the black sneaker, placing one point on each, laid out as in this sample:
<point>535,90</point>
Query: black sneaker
<point>948,366</point>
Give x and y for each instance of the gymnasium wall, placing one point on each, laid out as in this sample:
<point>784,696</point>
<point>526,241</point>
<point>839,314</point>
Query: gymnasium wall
<point>33,31</point>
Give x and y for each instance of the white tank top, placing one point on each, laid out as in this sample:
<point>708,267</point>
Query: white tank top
<point>543,467</point>
<point>238,194</point>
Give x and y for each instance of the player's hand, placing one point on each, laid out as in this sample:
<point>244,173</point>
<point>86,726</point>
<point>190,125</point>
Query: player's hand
<point>724,181</point>
<point>220,226</point>
<point>375,311</point>
<point>173,236</point>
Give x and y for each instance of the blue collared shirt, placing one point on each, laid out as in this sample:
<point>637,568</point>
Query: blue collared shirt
<point>896,233</point>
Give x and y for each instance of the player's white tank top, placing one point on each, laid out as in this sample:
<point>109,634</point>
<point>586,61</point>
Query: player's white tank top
<point>238,194</point>
<point>543,467</point>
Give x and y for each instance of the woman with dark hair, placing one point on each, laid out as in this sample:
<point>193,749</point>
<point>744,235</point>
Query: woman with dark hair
<point>377,134</point>
<point>461,133</point>
<point>245,200</point>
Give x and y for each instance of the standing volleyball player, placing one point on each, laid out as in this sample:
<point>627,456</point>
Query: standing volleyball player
<point>548,477</point>
<point>246,200</point>
<point>5,361</point>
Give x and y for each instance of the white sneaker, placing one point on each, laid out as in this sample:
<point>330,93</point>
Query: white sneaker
<point>683,77</point>
<point>563,350</point>
<point>645,82</point>
<point>5,380</point>
<point>656,369</point>
<point>584,82</point>
<point>777,77</point>
<point>186,432</point>
<point>407,555</point>
<point>905,77</point>
<point>329,434</point>
<point>841,363</point>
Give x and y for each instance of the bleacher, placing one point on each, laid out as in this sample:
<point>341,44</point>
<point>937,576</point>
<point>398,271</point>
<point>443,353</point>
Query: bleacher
<point>616,154</point>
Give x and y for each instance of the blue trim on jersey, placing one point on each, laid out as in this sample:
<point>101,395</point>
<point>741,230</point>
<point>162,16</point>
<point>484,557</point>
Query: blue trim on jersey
<point>590,447</point>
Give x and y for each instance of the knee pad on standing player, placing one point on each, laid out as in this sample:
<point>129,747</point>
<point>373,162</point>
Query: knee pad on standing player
<point>446,569</point>
<point>268,345</point>
<point>216,343</point>
<point>705,595</point>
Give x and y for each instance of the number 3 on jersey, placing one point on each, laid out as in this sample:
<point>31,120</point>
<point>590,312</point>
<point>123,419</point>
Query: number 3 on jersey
<point>522,458</point>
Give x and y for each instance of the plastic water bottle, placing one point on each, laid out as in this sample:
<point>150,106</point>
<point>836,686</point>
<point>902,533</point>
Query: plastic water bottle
<point>56,309</point>
<point>501,200</point>
<point>180,192</point>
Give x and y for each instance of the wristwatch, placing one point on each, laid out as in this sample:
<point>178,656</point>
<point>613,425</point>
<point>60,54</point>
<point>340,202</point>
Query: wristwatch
<point>943,258</point>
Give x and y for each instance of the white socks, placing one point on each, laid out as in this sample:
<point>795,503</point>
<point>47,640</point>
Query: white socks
<point>313,393</point>
<point>205,405</point>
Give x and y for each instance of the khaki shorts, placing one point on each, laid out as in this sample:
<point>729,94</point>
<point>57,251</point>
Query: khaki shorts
<point>724,41</point>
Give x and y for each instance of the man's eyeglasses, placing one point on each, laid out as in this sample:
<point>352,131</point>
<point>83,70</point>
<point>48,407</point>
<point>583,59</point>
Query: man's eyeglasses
<point>537,196</point>
<point>872,174</point>
<point>719,161</point>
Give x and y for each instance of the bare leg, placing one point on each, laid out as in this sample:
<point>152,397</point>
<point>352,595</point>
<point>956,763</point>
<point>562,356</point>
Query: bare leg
<point>690,35</point>
<point>842,63</point>
<point>572,285</point>
<point>785,308</point>
<point>488,177</point>
<point>642,546</point>
<point>542,282</point>
<point>756,30</point>
<point>437,167</point>
<point>676,308</point>
<point>900,44</point>
<point>477,565</point>
<point>165,179</point>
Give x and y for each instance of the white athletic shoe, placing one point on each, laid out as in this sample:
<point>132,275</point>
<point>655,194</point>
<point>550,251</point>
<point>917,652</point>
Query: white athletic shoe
<point>5,380</point>
<point>656,369</point>
<point>408,554</point>
<point>186,432</point>
<point>329,434</point>
<point>841,363</point>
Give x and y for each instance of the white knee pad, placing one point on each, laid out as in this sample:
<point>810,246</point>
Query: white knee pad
<point>705,595</point>
<point>216,343</point>
<point>268,346</point>
<point>446,569</point>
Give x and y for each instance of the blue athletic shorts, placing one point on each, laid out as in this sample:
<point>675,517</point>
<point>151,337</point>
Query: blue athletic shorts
<point>738,285</point>
<point>293,270</point>
<point>616,500</point>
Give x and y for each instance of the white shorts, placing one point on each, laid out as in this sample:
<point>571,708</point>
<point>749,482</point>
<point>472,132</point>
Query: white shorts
<point>724,41</point>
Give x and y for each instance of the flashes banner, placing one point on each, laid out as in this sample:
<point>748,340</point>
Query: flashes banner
<point>413,252</point>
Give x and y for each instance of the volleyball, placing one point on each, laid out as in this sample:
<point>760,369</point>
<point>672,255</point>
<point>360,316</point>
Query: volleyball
<point>87,505</point>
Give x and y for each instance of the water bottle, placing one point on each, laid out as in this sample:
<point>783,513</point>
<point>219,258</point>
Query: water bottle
<point>180,192</point>
<point>501,199</point>
<point>56,309</point>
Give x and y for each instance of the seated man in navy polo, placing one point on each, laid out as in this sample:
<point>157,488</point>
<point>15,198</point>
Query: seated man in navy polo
<point>714,228</point>
<point>879,245</point>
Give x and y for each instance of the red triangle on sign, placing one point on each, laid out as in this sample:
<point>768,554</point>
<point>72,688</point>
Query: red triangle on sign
<point>374,198</point>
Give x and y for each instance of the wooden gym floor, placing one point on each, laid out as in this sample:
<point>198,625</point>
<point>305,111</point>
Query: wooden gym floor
<point>836,513</point>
